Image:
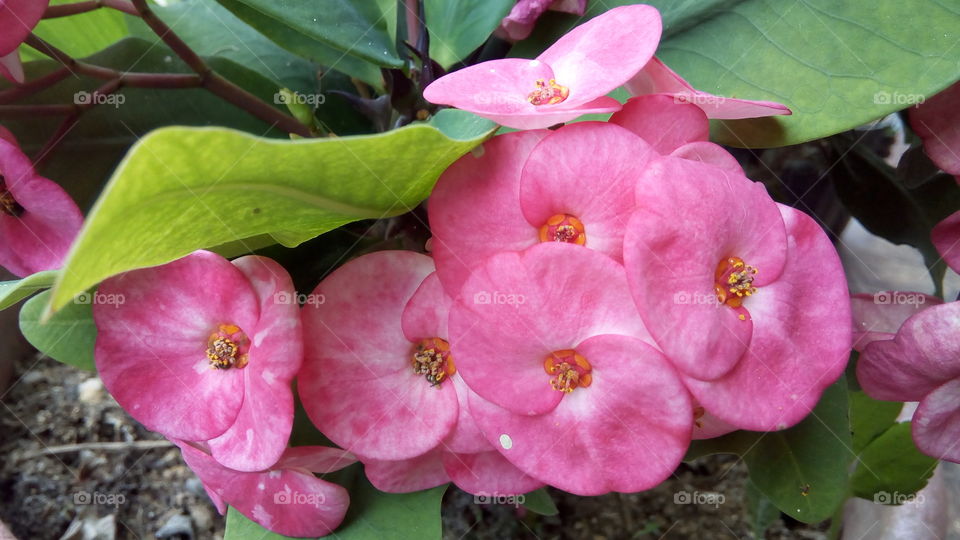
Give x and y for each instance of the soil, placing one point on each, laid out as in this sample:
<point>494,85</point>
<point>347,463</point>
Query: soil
<point>127,491</point>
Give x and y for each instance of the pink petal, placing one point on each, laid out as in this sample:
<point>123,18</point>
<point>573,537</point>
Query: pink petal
<point>466,438</point>
<point>494,88</point>
<point>425,315</point>
<point>878,316</point>
<point>18,18</point>
<point>920,358</point>
<point>603,53</point>
<point>657,78</point>
<point>663,122</point>
<point>285,501</point>
<point>151,344</point>
<point>576,7</point>
<point>801,338</point>
<point>475,208</point>
<point>690,217</point>
<point>488,473</point>
<point>519,22</point>
<point>635,399</point>
<point>11,69</point>
<point>936,424</point>
<point>550,115</point>
<point>316,459</point>
<point>409,475</point>
<point>593,183</point>
<point>6,135</point>
<point>946,237</point>
<point>707,152</point>
<point>936,122</point>
<point>518,308</point>
<point>709,426</point>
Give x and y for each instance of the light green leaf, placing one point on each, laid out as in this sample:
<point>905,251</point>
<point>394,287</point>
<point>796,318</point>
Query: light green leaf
<point>891,469</point>
<point>183,189</point>
<point>457,28</point>
<point>14,291</point>
<point>68,336</point>
<point>80,35</point>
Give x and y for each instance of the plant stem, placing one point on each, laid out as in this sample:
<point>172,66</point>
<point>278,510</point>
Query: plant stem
<point>34,86</point>
<point>65,10</point>
<point>71,120</point>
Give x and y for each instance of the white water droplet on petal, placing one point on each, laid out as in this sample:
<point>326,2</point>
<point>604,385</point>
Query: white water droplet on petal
<point>506,442</point>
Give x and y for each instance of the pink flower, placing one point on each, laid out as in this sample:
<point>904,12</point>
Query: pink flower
<point>937,122</point>
<point>746,297</point>
<point>946,238</point>
<point>657,78</point>
<point>17,18</point>
<point>38,220</point>
<point>921,363</point>
<point>569,79</point>
<point>202,349</point>
<point>878,316</point>
<point>286,498</point>
<point>519,22</point>
<point>549,335</point>
<point>536,186</point>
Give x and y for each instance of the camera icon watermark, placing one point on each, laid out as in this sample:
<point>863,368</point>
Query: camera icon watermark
<point>695,298</point>
<point>499,498</point>
<point>297,98</point>
<point>499,298</point>
<point>107,499</point>
<point>708,498</point>
<point>97,298</point>
<point>897,298</point>
<point>300,299</point>
<point>897,98</point>
<point>96,98</point>
<point>698,99</point>
<point>897,498</point>
<point>299,498</point>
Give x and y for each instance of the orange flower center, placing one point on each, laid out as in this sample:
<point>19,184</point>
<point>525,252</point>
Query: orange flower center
<point>227,347</point>
<point>432,359</point>
<point>734,281</point>
<point>548,93</point>
<point>563,228</point>
<point>568,370</point>
<point>8,205</point>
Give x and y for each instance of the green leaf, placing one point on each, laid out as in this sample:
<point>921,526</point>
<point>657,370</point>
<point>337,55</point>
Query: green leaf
<point>869,418</point>
<point>457,28</point>
<point>761,511</point>
<point>241,528</point>
<point>891,469</point>
<point>183,189</point>
<point>357,28</point>
<point>80,35</point>
<point>14,291</point>
<point>374,515</point>
<point>68,336</point>
<point>540,501</point>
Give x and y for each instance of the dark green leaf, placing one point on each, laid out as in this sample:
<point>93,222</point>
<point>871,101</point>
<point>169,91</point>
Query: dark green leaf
<point>69,335</point>
<point>241,528</point>
<point>891,469</point>
<point>541,502</point>
<point>869,418</point>
<point>761,511</point>
<point>374,515</point>
<point>457,28</point>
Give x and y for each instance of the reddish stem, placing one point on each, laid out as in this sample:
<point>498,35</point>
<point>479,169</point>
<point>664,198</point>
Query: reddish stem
<point>65,10</point>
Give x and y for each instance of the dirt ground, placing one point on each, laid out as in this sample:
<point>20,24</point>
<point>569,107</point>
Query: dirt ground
<point>58,480</point>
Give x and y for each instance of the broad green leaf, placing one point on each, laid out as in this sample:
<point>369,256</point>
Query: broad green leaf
<point>357,28</point>
<point>69,335</point>
<point>761,511</point>
<point>239,527</point>
<point>80,35</point>
<point>374,515</point>
<point>457,28</point>
<point>14,291</point>
<point>891,468</point>
<point>541,502</point>
<point>869,418</point>
<point>182,189</point>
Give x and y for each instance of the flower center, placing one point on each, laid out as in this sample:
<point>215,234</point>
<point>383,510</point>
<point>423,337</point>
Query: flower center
<point>548,93</point>
<point>227,347</point>
<point>433,360</point>
<point>734,281</point>
<point>569,370</point>
<point>563,228</point>
<point>698,413</point>
<point>8,205</point>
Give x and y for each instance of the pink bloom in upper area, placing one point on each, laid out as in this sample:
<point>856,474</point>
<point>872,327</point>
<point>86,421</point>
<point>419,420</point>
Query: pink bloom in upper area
<point>745,296</point>
<point>946,238</point>
<point>657,78</point>
<point>921,363</point>
<point>38,219</point>
<point>578,398</point>
<point>202,349</point>
<point>569,79</point>
<point>17,19</point>
<point>937,122</point>
<point>535,186</point>
<point>286,498</point>
<point>878,316</point>
<point>519,22</point>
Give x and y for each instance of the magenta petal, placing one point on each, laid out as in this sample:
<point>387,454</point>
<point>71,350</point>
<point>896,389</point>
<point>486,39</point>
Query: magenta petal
<point>494,88</point>
<point>937,122</point>
<point>519,22</point>
<point>408,475</point>
<point>663,122</point>
<point>878,316</point>
<point>18,18</point>
<point>920,358</point>
<point>671,261</point>
<point>151,344</point>
<point>11,69</point>
<point>549,115</point>
<point>488,474</point>
<point>936,424</point>
<point>518,308</point>
<point>946,237</point>
<point>594,183</point>
<point>475,208</point>
<point>709,426</point>
<point>605,52</point>
<point>286,501</point>
<point>801,338</point>
<point>316,459</point>
<point>635,399</point>
<point>466,437</point>
<point>425,315</point>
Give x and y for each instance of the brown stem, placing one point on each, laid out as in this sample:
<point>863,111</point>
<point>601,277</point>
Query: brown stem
<point>65,10</point>
<point>70,121</point>
<point>34,86</point>
<point>15,111</point>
